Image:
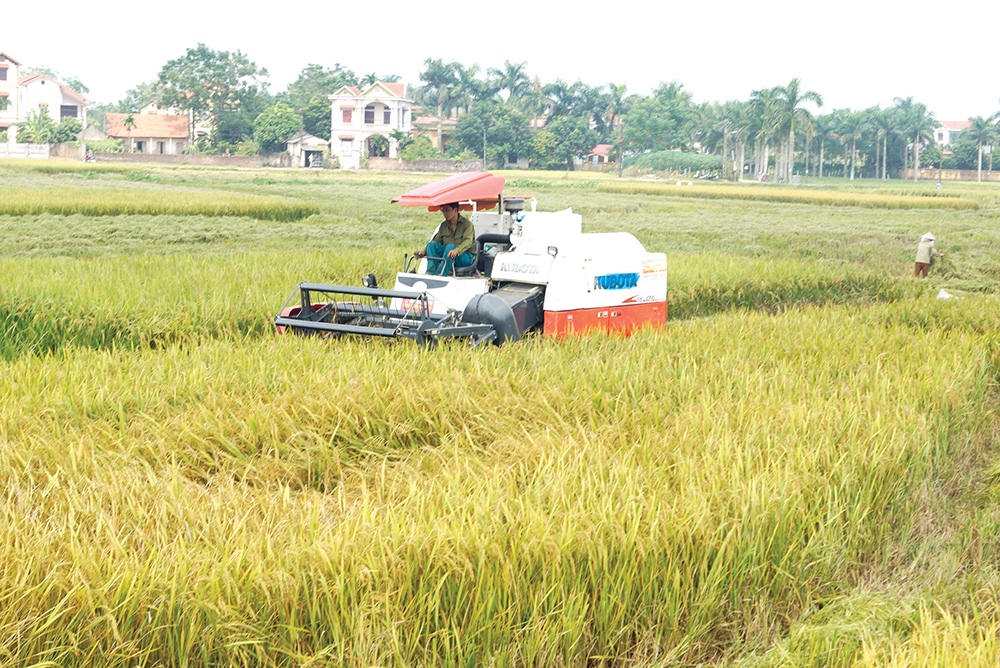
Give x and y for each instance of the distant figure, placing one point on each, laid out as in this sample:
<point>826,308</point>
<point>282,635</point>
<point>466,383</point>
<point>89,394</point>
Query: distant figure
<point>925,254</point>
<point>938,186</point>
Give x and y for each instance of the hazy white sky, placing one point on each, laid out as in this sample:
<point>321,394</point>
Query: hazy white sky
<point>855,53</point>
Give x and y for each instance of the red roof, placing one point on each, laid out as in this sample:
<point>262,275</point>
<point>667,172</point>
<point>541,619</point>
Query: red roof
<point>482,188</point>
<point>9,58</point>
<point>601,149</point>
<point>23,81</point>
<point>955,125</point>
<point>147,125</point>
<point>397,89</point>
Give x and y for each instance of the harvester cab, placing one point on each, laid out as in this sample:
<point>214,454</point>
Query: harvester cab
<point>533,270</point>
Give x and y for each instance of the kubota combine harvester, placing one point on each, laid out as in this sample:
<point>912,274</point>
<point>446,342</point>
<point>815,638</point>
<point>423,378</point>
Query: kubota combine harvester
<point>533,270</point>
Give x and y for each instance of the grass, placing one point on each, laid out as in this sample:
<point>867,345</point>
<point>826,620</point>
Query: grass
<point>798,470</point>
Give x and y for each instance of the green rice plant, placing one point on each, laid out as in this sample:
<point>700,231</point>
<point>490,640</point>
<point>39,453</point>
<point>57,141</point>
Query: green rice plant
<point>768,194</point>
<point>18,166</point>
<point>107,202</point>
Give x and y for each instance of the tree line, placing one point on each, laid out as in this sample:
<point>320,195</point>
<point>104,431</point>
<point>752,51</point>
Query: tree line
<point>504,113</point>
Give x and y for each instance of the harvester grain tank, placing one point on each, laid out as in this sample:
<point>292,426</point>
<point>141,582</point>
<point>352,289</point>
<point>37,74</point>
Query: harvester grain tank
<point>533,271</point>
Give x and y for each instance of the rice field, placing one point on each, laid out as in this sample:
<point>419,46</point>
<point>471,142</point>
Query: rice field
<point>799,470</point>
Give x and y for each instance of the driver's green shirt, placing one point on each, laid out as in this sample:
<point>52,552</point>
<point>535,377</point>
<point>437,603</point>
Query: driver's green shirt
<point>464,236</point>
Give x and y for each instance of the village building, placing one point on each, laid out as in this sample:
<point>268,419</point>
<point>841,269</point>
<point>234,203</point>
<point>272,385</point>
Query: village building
<point>156,134</point>
<point>947,132</point>
<point>359,118</point>
<point>306,150</point>
<point>41,93</point>
<point>8,96</point>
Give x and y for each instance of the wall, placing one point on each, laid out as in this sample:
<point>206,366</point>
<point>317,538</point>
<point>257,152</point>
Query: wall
<point>430,165</point>
<point>33,151</point>
<point>211,160</point>
<point>956,174</point>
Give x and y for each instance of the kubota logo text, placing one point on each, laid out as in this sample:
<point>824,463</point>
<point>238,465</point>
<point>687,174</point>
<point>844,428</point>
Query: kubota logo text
<point>616,281</point>
<point>519,268</point>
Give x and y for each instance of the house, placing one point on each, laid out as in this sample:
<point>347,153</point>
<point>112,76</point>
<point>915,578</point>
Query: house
<point>199,127</point>
<point>8,95</point>
<point>306,149</point>
<point>600,154</point>
<point>159,134</point>
<point>359,117</point>
<point>947,132</point>
<point>39,92</point>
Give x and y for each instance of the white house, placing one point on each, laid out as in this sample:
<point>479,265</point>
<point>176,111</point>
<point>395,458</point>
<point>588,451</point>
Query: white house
<point>948,131</point>
<point>41,92</point>
<point>359,115</point>
<point>8,95</point>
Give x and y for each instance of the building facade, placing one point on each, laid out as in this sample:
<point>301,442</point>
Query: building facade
<point>8,96</point>
<point>41,93</point>
<point>359,118</point>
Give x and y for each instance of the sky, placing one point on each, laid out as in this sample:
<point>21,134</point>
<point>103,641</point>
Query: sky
<point>854,53</point>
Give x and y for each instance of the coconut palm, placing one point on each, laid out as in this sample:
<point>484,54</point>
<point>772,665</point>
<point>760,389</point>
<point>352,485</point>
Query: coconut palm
<point>469,88</point>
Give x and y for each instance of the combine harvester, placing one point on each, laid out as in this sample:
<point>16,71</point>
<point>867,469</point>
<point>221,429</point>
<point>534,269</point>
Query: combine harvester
<point>533,270</point>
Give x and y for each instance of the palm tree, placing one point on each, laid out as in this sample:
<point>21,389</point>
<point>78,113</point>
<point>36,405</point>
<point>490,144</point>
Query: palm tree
<point>919,124</point>
<point>469,88</point>
<point>439,80</point>
<point>564,97</point>
<point>980,131</point>
<point>763,103</point>
<point>129,124</point>
<point>851,126</point>
<point>788,112</point>
<point>513,78</point>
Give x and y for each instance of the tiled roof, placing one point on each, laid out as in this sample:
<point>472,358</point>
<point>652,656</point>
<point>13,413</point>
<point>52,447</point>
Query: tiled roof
<point>397,89</point>
<point>601,149</point>
<point>31,78</point>
<point>955,125</point>
<point>9,58</point>
<point>147,125</point>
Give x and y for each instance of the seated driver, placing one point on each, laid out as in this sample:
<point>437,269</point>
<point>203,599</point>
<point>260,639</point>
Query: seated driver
<point>454,241</point>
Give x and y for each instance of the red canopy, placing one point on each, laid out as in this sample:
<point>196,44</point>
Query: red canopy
<point>482,188</point>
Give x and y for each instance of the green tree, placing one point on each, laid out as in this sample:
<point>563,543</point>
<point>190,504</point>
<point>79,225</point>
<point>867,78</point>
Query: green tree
<point>654,124</point>
<point>274,126</point>
<point>67,130</point>
<point>316,118</point>
<point>226,87</point>
<point>562,140</point>
<point>316,81</point>
<point>506,130</point>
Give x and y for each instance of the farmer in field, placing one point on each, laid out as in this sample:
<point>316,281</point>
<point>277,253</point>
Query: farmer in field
<point>454,241</point>
<point>925,254</point>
